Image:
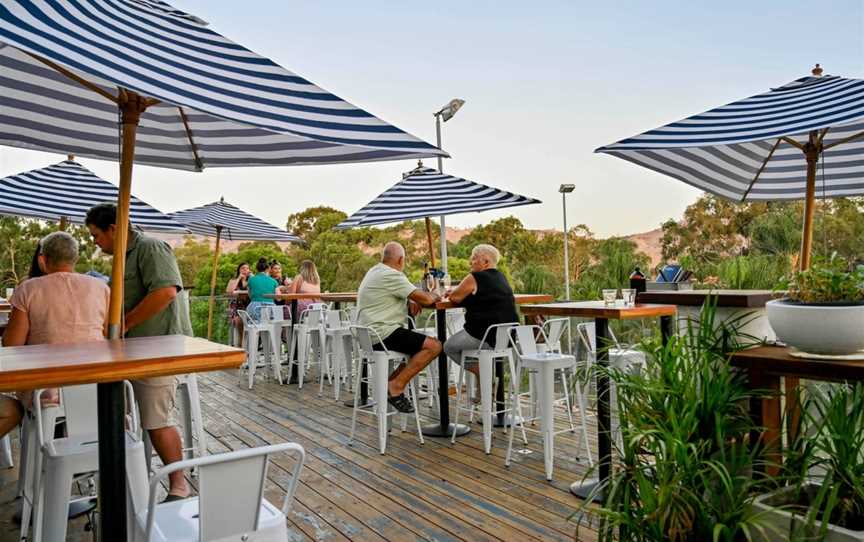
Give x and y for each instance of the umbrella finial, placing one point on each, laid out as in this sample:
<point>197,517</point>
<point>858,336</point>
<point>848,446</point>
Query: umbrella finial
<point>817,71</point>
<point>70,157</point>
<point>222,199</point>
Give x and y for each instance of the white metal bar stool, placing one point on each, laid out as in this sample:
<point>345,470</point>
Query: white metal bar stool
<point>255,331</point>
<point>545,364</point>
<point>378,374</point>
<point>486,357</point>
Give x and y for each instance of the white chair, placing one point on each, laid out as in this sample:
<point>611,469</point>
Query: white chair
<point>192,426</point>
<point>280,328</point>
<point>253,332</point>
<point>554,330</point>
<point>486,358</point>
<point>64,459</point>
<point>230,503</point>
<point>624,359</point>
<point>310,338</point>
<point>338,349</point>
<point>545,364</point>
<point>31,459</point>
<point>378,375</point>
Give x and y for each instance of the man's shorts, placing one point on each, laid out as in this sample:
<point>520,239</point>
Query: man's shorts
<point>155,398</point>
<point>403,341</point>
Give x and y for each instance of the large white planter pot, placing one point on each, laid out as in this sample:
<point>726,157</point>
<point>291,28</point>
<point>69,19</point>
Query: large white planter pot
<point>834,329</point>
<point>778,522</point>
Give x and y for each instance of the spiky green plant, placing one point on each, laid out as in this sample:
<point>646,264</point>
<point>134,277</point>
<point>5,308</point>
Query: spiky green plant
<point>685,466</point>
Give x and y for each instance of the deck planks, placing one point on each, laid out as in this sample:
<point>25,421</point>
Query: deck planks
<point>436,491</point>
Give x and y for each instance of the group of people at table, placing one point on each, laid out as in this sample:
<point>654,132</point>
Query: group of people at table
<point>56,305</point>
<point>384,300</point>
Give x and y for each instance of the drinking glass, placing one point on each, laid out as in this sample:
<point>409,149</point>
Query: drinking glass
<point>9,292</point>
<point>629,295</point>
<point>609,297</point>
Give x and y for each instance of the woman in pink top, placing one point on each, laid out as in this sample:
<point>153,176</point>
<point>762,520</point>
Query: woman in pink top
<point>307,281</point>
<point>61,307</point>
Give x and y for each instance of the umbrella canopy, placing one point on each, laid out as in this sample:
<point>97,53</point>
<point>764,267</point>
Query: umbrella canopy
<point>218,218</point>
<point>219,104</point>
<point>66,191</point>
<point>766,147</point>
<point>425,192</point>
<point>233,222</point>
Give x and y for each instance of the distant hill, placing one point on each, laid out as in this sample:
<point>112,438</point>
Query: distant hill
<point>647,242</point>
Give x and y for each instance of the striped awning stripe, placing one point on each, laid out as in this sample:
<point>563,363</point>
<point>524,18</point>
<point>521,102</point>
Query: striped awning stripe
<point>236,224</point>
<point>221,104</point>
<point>425,192</point>
<point>69,190</point>
<point>722,151</point>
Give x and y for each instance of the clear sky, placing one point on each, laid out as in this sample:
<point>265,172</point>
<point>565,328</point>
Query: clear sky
<point>545,83</point>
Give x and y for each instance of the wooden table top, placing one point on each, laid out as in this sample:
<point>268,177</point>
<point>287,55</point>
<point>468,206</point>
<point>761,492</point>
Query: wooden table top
<point>521,299</point>
<point>776,360</point>
<point>42,366</point>
<point>5,307</point>
<point>598,309</point>
<point>725,298</point>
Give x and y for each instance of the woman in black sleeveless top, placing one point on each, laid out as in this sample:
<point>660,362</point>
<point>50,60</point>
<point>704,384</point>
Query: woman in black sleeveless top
<point>487,299</point>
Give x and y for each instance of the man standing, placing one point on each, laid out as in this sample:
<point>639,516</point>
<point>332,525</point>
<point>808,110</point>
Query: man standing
<point>152,307</point>
<point>382,302</point>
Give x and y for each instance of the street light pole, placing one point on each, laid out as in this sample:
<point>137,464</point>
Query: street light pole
<point>566,189</point>
<point>441,218</point>
<point>445,113</point>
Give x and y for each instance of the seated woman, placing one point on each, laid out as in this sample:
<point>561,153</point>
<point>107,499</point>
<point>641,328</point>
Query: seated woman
<point>38,318</point>
<point>307,281</point>
<point>260,285</point>
<point>238,302</point>
<point>487,299</point>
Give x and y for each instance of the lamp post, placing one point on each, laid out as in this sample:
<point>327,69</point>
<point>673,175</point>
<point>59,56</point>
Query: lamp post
<point>445,113</point>
<point>566,189</point>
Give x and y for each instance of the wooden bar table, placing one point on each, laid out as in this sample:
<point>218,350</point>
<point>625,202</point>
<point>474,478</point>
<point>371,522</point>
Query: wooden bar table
<point>444,428</point>
<point>108,363</point>
<point>765,366</point>
<point>601,315</point>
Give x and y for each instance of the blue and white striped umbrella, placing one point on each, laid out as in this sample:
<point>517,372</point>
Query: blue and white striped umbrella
<point>67,190</point>
<point>752,149</point>
<point>220,104</point>
<point>234,223</point>
<point>425,192</point>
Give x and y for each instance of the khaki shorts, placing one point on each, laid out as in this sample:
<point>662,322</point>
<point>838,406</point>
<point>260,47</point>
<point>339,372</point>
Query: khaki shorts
<point>155,398</point>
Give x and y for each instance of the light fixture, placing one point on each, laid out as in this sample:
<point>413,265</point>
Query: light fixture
<point>446,113</point>
<point>566,188</point>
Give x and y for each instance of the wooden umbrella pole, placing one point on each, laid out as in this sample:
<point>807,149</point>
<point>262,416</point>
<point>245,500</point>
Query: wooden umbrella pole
<point>429,240</point>
<point>213,283</point>
<point>812,149</point>
<point>64,222</point>
<point>131,107</point>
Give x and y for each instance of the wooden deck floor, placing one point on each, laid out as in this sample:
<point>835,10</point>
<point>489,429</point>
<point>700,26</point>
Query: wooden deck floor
<point>431,492</point>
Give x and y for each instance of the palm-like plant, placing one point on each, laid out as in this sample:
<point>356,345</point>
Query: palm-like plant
<point>686,463</point>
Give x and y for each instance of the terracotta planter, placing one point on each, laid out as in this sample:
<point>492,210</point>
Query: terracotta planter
<point>818,329</point>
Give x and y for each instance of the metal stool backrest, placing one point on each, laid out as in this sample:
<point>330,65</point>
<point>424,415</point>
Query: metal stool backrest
<point>554,330</point>
<point>455,320</point>
<point>363,335</point>
<point>247,319</point>
<point>272,313</point>
<point>230,490</point>
<point>588,335</point>
<point>524,339</point>
<point>502,336</point>
<point>333,320</point>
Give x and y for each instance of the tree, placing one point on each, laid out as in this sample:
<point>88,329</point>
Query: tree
<point>305,223</point>
<point>192,256</point>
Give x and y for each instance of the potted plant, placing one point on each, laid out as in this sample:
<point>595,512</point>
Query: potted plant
<point>824,310</point>
<point>830,505</point>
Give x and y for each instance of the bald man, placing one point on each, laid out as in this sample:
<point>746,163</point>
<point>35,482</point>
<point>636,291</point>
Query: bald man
<point>383,300</point>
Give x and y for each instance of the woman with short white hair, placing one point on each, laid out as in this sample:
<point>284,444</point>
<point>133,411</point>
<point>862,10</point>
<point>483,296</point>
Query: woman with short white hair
<point>488,300</point>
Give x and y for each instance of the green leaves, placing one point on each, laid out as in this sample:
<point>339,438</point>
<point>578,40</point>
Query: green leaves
<point>828,281</point>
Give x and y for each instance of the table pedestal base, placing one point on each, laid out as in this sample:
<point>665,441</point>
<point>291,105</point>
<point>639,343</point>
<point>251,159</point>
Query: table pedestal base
<point>583,490</point>
<point>438,430</point>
